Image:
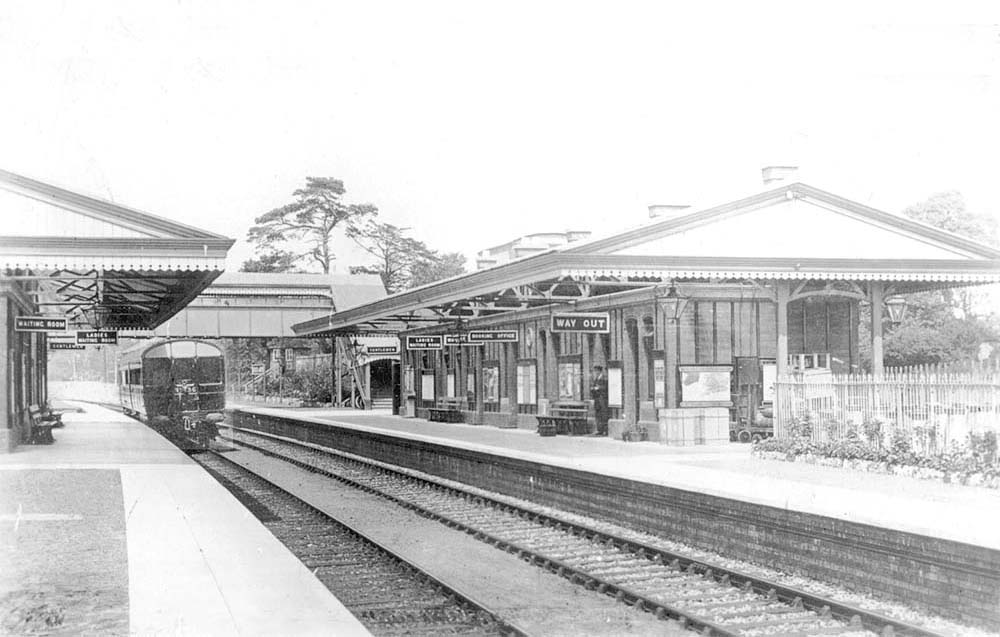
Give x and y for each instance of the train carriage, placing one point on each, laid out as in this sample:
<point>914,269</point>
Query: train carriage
<point>177,387</point>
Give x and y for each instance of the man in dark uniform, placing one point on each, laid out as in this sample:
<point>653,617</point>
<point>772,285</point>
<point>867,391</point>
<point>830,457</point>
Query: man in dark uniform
<point>599,394</point>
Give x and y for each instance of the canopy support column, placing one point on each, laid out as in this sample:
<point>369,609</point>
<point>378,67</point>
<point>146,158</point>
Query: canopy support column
<point>876,295</point>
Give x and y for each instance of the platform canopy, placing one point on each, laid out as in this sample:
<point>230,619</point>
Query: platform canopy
<point>795,232</point>
<point>98,263</point>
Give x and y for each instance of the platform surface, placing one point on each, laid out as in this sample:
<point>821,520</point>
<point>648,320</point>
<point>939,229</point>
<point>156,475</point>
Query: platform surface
<point>925,507</point>
<point>111,530</point>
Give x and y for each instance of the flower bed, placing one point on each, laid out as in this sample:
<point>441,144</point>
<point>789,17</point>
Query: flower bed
<point>974,463</point>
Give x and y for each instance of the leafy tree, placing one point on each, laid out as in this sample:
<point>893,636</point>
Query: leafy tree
<point>438,266</point>
<point>403,262</point>
<point>311,219</point>
<point>947,210</point>
<point>396,254</point>
<point>276,261</point>
<point>940,325</point>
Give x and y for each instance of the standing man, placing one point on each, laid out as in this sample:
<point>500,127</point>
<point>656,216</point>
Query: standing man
<point>599,394</point>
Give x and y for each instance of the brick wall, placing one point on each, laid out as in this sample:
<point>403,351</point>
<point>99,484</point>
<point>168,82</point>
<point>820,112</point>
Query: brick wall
<point>949,578</point>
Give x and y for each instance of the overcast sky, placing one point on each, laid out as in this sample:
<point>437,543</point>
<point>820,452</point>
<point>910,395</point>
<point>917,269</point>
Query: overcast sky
<point>475,123</point>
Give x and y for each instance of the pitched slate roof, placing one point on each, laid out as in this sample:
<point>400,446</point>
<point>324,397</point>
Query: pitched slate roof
<point>783,233</point>
<point>99,263</point>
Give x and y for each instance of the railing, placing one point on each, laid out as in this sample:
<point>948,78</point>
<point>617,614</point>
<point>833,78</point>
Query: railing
<point>935,409</point>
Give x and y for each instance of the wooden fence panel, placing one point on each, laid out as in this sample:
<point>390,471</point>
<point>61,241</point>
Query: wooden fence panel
<point>933,406</point>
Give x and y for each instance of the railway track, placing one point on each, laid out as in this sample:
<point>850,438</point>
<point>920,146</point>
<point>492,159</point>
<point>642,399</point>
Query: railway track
<point>386,593</point>
<point>702,597</point>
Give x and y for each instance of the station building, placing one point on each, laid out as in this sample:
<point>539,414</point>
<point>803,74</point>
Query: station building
<point>693,314</point>
<point>72,262</point>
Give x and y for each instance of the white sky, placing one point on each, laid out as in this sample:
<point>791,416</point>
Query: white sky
<point>475,123</point>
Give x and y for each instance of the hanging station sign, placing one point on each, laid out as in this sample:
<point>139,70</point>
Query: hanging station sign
<point>65,345</point>
<point>98,337</point>
<point>461,338</point>
<point>586,322</point>
<point>39,324</point>
<point>492,336</point>
<point>423,342</point>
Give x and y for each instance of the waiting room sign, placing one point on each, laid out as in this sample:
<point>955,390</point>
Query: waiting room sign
<point>39,324</point>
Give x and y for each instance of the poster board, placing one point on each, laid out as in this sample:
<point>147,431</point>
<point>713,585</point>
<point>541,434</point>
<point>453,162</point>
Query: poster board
<point>491,383</point>
<point>659,383</point>
<point>451,384</point>
<point>615,386</point>
<point>706,385</point>
<point>768,378</point>
<point>570,379</point>
<point>526,383</point>
<point>408,379</point>
<point>427,386</point>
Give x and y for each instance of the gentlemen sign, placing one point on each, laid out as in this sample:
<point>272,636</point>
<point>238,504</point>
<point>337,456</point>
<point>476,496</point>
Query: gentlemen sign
<point>39,324</point>
<point>382,349</point>
<point>423,342</point>
<point>492,336</point>
<point>591,323</point>
<point>101,337</point>
<point>65,345</point>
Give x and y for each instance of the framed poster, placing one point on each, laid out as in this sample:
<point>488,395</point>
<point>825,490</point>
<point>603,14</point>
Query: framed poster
<point>706,385</point>
<point>427,386</point>
<point>659,383</point>
<point>615,387</point>
<point>491,383</point>
<point>526,383</point>
<point>408,380</point>
<point>570,378</point>
<point>768,377</point>
<point>451,384</point>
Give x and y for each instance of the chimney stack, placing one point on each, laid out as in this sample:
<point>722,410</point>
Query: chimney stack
<point>666,211</point>
<point>776,174</point>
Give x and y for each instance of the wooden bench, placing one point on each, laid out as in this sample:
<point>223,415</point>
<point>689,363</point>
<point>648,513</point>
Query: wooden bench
<point>447,410</point>
<point>41,428</point>
<point>55,415</point>
<point>567,418</point>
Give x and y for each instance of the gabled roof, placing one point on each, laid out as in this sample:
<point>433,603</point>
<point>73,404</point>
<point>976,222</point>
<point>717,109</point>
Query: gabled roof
<point>270,284</point>
<point>794,216</point>
<point>98,262</point>
<point>352,290</point>
<point>62,204</point>
<point>792,232</point>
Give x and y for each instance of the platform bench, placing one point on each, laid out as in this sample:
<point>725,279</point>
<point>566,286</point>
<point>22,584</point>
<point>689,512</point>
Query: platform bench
<point>565,418</point>
<point>447,410</point>
<point>41,427</point>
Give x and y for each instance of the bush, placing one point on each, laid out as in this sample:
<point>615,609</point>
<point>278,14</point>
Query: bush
<point>979,456</point>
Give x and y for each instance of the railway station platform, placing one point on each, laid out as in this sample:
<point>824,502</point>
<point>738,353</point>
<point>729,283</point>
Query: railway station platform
<point>929,544</point>
<point>954,512</point>
<point>113,531</point>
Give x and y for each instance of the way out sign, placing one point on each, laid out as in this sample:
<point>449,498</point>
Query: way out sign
<point>423,342</point>
<point>587,322</point>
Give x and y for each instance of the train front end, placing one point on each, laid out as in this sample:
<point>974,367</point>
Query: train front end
<point>189,398</point>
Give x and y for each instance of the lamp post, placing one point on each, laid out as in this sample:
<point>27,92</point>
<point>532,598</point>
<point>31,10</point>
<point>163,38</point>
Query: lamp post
<point>672,305</point>
<point>897,309</point>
